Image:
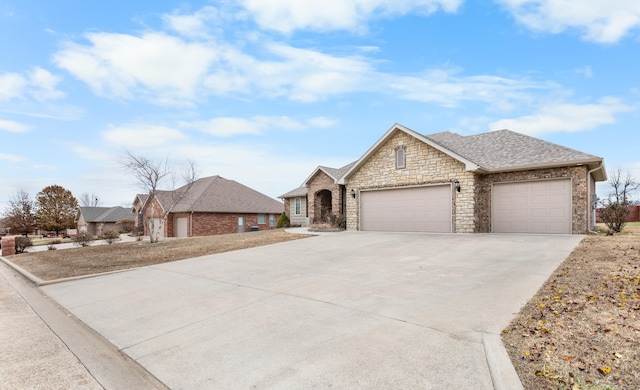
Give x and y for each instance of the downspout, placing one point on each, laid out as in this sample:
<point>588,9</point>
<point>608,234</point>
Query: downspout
<point>191,224</point>
<point>591,220</point>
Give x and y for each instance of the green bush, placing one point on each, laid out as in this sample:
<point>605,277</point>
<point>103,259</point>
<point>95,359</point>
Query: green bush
<point>22,243</point>
<point>83,239</point>
<point>283,221</point>
<point>110,236</point>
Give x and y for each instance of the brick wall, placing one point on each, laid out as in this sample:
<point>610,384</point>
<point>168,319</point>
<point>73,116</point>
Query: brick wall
<point>8,245</point>
<point>424,165</point>
<point>209,224</point>
<point>580,201</point>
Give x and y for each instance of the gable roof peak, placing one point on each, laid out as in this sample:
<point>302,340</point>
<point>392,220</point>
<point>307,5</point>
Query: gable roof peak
<point>469,164</point>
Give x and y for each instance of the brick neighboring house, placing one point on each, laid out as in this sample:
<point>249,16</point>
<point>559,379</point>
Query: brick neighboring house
<point>96,220</point>
<point>500,181</point>
<point>213,205</point>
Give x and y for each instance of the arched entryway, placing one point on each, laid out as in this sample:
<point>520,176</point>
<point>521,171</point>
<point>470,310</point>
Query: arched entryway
<point>323,205</point>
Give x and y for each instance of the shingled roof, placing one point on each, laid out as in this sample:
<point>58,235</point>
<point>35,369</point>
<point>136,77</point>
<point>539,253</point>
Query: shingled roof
<point>334,173</point>
<point>495,151</point>
<point>300,191</point>
<point>216,194</point>
<point>504,150</point>
<point>105,214</point>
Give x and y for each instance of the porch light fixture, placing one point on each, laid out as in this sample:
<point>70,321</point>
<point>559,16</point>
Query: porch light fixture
<point>353,193</point>
<point>457,184</point>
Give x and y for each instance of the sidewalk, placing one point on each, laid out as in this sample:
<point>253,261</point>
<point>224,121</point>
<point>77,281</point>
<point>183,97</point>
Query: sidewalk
<point>71,245</point>
<point>45,347</point>
<point>33,357</point>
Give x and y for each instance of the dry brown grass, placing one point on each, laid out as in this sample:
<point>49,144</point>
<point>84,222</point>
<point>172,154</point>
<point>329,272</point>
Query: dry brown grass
<point>51,265</point>
<point>582,328</point>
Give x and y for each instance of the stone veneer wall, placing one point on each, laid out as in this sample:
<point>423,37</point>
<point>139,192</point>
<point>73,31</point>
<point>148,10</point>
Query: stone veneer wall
<point>424,165</point>
<point>580,201</point>
<point>322,181</point>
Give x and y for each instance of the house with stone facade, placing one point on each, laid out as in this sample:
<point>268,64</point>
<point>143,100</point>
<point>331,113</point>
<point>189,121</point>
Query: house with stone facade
<point>211,205</point>
<point>500,181</point>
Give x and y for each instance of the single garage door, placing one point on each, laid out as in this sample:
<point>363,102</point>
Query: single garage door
<point>532,207</point>
<point>181,224</point>
<point>415,209</point>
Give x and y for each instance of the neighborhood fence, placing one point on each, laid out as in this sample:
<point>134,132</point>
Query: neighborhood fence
<point>634,215</point>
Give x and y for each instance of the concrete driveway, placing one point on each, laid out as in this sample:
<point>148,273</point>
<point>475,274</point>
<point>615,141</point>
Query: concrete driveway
<point>346,310</point>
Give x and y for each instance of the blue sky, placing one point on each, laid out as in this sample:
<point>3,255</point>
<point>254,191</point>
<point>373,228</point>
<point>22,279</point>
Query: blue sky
<point>262,92</point>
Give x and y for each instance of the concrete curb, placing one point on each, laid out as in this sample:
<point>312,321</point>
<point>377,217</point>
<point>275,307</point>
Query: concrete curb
<point>503,374</point>
<point>31,277</point>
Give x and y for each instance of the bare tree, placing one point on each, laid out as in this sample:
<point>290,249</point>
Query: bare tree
<point>90,200</point>
<point>150,175</point>
<point>617,206</point>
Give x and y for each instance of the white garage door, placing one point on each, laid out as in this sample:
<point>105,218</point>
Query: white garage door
<point>181,224</point>
<point>532,207</point>
<point>415,209</point>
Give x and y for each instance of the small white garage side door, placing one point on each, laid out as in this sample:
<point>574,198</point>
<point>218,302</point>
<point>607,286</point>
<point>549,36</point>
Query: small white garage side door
<point>542,206</point>
<point>414,209</point>
<point>181,227</point>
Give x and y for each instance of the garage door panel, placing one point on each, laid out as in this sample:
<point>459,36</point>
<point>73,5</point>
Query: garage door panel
<point>532,207</point>
<point>416,209</point>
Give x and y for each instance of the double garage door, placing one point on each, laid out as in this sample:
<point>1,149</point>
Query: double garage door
<point>414,209</point>
<point>542,206</point>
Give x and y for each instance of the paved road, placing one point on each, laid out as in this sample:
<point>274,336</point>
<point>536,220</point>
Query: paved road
<point>347,310</point>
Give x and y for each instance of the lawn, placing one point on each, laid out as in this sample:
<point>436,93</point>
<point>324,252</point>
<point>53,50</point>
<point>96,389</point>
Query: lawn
<point>582,328</point>
<point>58,264</point>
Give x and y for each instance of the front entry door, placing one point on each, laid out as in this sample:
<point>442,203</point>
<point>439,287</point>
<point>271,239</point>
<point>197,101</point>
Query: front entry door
<point>241,224</point>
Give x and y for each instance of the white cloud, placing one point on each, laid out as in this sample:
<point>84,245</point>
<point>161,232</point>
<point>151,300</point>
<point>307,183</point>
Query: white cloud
<point>39,84</point>
<point>604,21</point>
<point>322,121</point>
<point>43,85</point>
<point>142,135</point>
<point>166,68</point>
<point>197,24</point>
<point>170,70</point>
<point>14,127</point>
<point>89,153</point>
<point>11,86</point>
<point>11,157</point>
<point>286,16</point>
<point>231,126</point>
<point>565,117</point>
<point>448,88</point>
<point>585,71</point>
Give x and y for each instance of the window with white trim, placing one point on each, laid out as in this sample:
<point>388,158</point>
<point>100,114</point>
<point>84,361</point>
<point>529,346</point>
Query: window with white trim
<point>272,220</point>
<point>297,206</point>
<point>401,157</point>
<point>262,219</point>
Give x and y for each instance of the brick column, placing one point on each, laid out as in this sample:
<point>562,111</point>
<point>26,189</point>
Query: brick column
<point>8,246</point>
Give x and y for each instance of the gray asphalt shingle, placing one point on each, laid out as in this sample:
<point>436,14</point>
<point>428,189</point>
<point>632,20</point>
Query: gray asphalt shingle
<point>219,195</point>
<point>506,149</point>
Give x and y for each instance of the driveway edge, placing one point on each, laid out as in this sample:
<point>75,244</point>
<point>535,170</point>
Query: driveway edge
<point>503,374</point>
